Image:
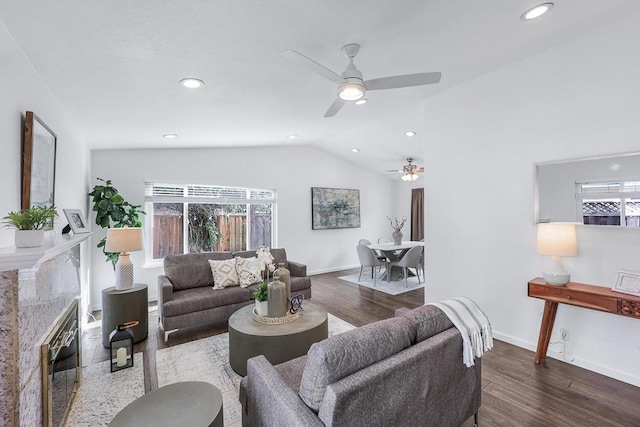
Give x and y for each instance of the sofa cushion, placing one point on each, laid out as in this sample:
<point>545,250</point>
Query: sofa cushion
<point>191,270</point>
<point>279,255</point>
<point>224,273</point>
<point>197,299</point>
<point>339,356</point>
<point>249,271</point>
<point>429,321</point>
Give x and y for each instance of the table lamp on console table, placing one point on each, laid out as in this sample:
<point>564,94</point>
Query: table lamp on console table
<point>124,240</point>
<point>557,239</point>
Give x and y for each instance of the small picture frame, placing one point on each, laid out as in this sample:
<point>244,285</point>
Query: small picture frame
<point>627,282</point>
<point>76,221</point>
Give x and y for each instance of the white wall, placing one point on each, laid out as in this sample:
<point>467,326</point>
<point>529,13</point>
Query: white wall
<point>292,171</point>
<point>22,90</point>
<point>578,99</point>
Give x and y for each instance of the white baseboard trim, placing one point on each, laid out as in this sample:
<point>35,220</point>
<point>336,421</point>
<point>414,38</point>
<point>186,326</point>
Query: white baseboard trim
<point>582,363</point>
<point>332,269</point>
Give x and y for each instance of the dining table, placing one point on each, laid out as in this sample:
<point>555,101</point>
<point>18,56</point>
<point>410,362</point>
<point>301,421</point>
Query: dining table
<point>394,252</point>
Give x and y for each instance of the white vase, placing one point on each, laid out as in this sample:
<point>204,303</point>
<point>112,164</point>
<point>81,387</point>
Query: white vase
<point>29,238</point>
<point>262,308</point>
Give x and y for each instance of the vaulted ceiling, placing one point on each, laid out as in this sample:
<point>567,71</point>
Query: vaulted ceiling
<point>114,65</point>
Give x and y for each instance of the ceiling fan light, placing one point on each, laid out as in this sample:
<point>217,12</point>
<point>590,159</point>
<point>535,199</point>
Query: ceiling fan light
<point>410,177</point>
<point>361,101</point>
<point>351,91</point>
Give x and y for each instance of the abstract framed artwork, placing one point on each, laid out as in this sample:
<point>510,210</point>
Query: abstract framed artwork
<point>38,163</point>
<point>334,208</point>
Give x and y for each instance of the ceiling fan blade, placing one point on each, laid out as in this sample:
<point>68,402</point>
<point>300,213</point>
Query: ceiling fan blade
<point>335,107</point>
<point>406,80</point>
<point>312,65</point>
<point>394,170</point>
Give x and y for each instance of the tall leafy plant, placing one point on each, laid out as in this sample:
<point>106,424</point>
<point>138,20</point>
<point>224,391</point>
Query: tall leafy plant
<point>203,232</point>
<point>113,211</point>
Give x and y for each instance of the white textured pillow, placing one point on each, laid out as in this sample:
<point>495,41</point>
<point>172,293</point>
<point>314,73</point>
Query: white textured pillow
<point>224,273</point>
<point>249,271</point>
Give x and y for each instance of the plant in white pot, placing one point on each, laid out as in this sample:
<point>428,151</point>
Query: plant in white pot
<point>260,295</point>
<point>30,225</point>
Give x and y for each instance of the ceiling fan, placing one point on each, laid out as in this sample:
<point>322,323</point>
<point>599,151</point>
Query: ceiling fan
<point>351,86</point>
<point>409,171</point>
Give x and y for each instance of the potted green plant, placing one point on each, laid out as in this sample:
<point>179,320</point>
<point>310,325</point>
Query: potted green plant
<point>30,225</point>
<point>260,295</point>
<point>112,210</point>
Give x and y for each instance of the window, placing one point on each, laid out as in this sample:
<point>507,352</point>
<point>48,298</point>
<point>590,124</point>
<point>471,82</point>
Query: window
<point>610,203</point>
<point>202,218</point>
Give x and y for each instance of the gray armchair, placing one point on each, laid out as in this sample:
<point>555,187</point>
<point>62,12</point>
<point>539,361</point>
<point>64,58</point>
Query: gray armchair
<point>404,371</point>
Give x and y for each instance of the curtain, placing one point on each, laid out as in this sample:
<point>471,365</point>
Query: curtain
<point>417,214</point>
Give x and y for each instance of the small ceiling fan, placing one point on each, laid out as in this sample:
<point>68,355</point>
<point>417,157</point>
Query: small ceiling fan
<point>409,171</point>
<point>351,86</point>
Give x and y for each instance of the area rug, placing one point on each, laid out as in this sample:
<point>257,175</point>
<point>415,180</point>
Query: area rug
<point>393,288</point>
<point>103,394</point>
<point>208,360</point>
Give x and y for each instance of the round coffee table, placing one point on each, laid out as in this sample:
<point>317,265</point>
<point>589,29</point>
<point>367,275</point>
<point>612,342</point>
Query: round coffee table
<point>189,403</point>
<point>278,343</point>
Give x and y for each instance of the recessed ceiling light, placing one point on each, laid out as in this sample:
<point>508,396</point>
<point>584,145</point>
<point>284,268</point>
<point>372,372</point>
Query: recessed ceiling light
<point>169,135</point>
<point>292,136</point>
<point>410,133</point>
<point>191,82</point>
<point>536,12</point>
<point>355,150</point>
<point>361,101</point>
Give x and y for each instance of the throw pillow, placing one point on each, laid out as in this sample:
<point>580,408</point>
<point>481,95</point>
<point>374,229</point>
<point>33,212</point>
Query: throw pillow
<point>224,273</point>
<point>249,271</point>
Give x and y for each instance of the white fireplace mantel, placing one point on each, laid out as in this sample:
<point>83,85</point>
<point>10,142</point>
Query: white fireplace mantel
<point>12,258</point>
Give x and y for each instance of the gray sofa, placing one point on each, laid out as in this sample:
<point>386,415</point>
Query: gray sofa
<point>186,297</point>
<point>404,371</point>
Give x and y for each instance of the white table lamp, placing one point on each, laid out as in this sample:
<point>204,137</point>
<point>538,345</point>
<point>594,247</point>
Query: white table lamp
<point>557,239</point>
<point>123,241</point>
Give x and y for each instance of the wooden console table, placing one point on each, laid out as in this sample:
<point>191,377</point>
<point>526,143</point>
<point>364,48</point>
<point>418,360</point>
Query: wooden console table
<point>580,295</point>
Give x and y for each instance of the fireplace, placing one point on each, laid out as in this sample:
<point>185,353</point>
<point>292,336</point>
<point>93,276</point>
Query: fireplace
<point>60,367</point>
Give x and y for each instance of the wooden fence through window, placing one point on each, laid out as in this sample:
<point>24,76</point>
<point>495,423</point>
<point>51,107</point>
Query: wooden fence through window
<point>168,233</point>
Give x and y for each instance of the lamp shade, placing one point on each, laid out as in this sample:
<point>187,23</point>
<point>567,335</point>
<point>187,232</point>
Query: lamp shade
<point>125,239</point>
<point>557,239</point>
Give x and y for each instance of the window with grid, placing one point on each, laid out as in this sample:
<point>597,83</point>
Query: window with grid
<point>610,203</point>
<point>201,218</point>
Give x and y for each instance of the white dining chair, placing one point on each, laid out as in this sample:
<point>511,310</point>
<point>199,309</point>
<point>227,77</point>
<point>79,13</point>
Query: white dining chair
<point>369,259</point>
<point>380,256</point>
<point>410,260</point>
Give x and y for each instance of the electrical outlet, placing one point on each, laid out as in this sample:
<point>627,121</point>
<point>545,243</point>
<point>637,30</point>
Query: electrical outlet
<point>564,333</point>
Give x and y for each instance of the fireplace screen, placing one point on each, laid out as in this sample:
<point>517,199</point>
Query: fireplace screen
<point>60,367</point>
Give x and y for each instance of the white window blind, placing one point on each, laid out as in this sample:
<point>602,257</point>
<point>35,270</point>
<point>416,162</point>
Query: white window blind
<point>162,192</point>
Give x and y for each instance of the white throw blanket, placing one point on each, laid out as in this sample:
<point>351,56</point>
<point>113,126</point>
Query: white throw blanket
<point>473,324</point>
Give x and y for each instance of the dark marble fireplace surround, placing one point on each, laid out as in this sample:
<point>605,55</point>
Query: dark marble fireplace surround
<point>36,287</point>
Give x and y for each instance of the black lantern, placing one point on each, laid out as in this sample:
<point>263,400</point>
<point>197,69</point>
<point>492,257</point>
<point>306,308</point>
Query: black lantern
<point>121,346</point>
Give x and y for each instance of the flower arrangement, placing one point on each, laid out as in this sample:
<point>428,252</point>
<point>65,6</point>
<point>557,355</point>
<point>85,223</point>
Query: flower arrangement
<point>397,226</point>
<point>266,259</point>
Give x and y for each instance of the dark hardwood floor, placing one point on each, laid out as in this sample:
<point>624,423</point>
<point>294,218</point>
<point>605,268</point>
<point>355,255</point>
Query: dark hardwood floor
<point>515,391</point>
